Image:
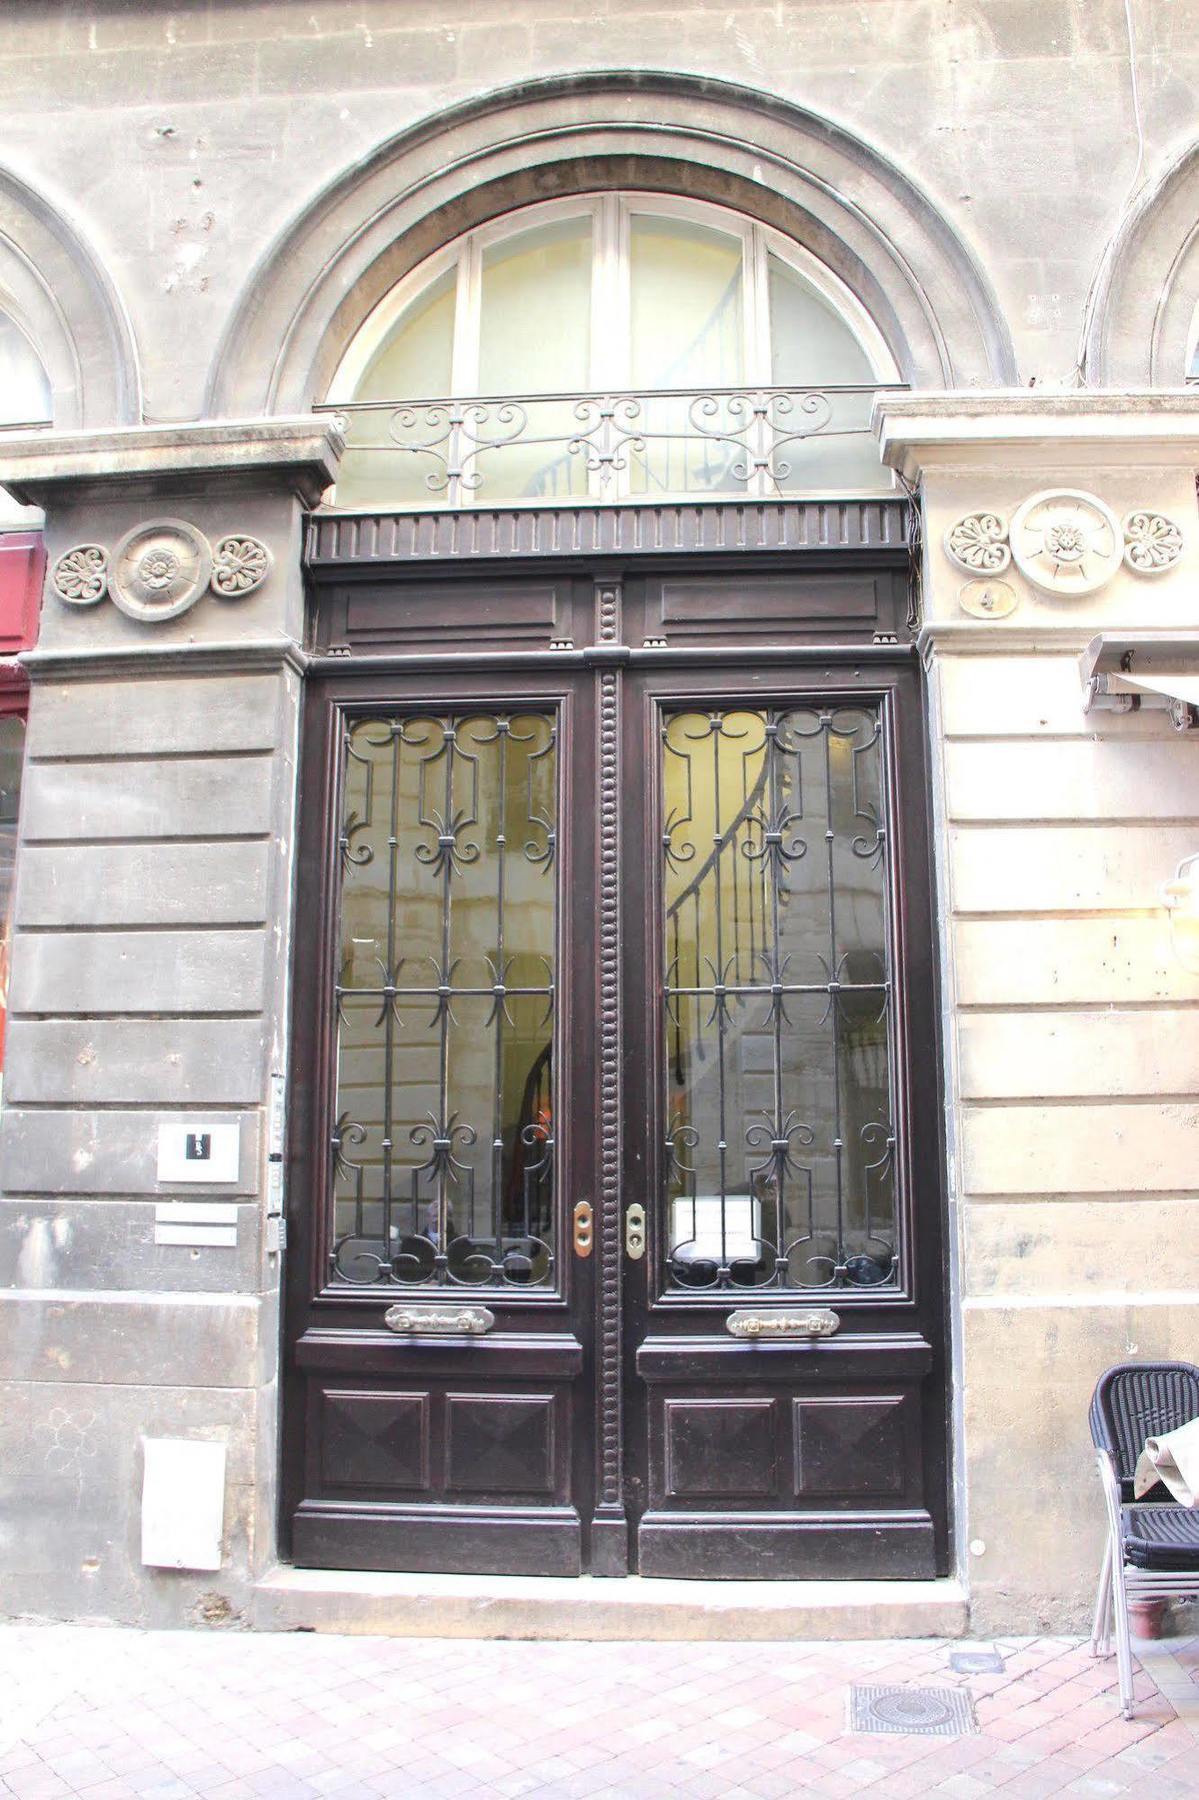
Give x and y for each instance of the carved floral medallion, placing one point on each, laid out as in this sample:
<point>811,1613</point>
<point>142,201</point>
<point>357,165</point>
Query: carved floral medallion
<point>160,569</point>
<point>80,576</point>
<point>1152,543</point>
<point>978,543</point>
<point>1066,542</point>
<point>239,565</point>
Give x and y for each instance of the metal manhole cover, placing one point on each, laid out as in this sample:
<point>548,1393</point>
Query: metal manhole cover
<point>915,1711</point>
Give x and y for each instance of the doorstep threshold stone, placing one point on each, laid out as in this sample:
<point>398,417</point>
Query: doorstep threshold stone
<point>635,1608</point>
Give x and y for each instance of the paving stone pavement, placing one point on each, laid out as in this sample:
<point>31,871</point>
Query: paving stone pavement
<point>104,1713</point>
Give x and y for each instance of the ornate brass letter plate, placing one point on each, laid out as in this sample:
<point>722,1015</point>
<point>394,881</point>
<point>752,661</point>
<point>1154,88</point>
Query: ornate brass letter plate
<point>439,1321</point>
<point>817,1322</point>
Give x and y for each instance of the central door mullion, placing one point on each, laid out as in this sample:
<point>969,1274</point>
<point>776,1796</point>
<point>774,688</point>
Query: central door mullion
<point>609,1531</point>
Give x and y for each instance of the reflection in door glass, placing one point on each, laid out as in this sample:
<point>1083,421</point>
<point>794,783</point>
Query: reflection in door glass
<point>779,1156</point>
<point>443,1150</point>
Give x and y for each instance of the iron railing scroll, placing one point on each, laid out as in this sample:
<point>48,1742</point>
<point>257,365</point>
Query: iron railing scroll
<point>720,442</point>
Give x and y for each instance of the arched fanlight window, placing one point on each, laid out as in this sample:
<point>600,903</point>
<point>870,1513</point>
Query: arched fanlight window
<point>659,308</point>
<point>24,387</point>
<point>25,399</point>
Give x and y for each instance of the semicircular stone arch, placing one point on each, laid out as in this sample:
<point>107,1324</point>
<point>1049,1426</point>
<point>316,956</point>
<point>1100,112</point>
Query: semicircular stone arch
<point>57,291</point>
<point>709,140</point>
<point>1142,321</point>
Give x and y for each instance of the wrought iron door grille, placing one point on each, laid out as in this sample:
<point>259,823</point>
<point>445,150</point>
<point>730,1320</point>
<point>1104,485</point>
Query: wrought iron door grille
<point>443,1147</point>
<point>779,1151</point>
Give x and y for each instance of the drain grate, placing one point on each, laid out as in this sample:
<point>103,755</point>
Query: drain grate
<point>915,1711</point>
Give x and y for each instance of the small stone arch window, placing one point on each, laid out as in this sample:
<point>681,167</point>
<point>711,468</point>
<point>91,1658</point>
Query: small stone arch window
<point>610,346</point>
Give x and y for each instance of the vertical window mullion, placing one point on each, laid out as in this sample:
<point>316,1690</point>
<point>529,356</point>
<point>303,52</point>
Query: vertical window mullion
<point>464,363</point>
<point>467,315</point>
<point>758,365</point>
<point>609,319</point>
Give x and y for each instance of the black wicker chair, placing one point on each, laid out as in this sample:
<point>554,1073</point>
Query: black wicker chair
<point>1152,1550</point>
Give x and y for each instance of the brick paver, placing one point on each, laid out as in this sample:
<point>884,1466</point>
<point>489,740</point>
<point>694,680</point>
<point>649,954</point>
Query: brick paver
<point>111,1714</point>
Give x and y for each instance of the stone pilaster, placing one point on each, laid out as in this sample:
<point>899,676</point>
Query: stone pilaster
<point>149,985</point>
<point>1071,1033</point>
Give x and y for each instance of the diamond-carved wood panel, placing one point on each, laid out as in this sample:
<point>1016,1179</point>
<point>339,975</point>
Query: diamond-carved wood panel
<point>850,1447</point>
<point>721,1449</point>
<point>500,1443</point>
<point>375,1440</point>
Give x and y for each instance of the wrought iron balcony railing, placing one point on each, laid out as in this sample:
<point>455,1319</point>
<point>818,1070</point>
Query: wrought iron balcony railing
<point>675,443</point>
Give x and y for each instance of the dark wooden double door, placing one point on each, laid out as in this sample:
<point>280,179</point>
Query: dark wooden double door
<point>615,1086</point>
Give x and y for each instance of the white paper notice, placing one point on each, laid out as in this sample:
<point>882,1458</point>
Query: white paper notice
<point>183,1503</point>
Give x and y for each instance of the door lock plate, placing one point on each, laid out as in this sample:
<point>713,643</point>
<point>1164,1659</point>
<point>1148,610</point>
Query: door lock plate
<point>584,1228</point>
<point>634,1233</point>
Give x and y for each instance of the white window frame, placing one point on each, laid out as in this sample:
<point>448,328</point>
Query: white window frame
<point>611,217</point>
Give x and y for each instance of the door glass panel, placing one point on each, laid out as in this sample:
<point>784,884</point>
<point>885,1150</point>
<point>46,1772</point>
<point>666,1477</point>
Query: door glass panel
<point>443,1150</point>
<point>779,1153</point>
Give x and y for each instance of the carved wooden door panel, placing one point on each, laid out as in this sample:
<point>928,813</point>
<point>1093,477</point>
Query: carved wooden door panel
<point>615,1087</point>
<point>441,1278</point>
<point>784,1410</point>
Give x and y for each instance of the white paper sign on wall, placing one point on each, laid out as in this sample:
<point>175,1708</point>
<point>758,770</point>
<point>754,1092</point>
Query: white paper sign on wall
<point>199,1150</point>
<point>183,1503</point>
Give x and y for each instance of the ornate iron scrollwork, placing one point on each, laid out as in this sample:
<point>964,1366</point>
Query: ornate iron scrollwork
<point>779,1166</point>
<point>443,1152</point>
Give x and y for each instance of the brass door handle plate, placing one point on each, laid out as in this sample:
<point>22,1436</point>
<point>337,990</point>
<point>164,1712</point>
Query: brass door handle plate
<point>814,1322</point>
<point>584,1228</point>
<point>439,1321</point>
<point>634,1232</point>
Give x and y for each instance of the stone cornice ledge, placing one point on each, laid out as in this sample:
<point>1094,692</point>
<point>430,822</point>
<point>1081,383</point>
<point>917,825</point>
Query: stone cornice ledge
<point>971,637</point>
<point>302,452</point>
<point>1035,430</point>
<point>233,657</point>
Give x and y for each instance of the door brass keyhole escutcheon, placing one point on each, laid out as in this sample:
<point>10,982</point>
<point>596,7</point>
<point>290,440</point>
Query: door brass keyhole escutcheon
<point>584,1231</point>
<point>634,1233</point>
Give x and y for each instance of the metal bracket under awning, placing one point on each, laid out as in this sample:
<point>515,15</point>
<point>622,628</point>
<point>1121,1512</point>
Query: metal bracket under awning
<point>1122,674</point>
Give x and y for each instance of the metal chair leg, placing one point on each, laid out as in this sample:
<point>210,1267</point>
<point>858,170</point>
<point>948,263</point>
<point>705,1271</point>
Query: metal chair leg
<point>1101,1629</point>
<point>1123,1636</point>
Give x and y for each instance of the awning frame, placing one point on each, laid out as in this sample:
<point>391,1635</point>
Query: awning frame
<point>1149,671</point>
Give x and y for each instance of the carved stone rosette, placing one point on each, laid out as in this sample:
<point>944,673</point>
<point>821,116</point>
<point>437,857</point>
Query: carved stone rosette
<point>239,565</point>
<point>1152,543</point>
<point>160,569</point>
<point>978,543</point>
<point>80,576</point>
<point>1065,542</point>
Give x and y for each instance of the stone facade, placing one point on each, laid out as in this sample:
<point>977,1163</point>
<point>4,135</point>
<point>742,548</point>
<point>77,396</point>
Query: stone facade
<point>198,207</point>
